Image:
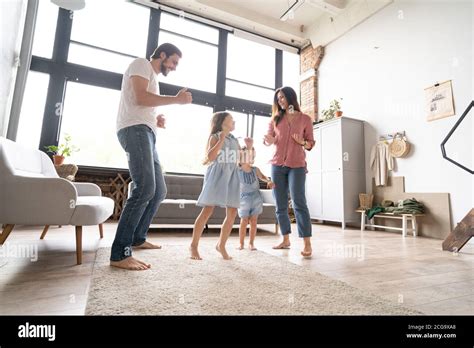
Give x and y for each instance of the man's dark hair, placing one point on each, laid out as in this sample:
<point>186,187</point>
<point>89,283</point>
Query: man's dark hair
<point>168,49</point>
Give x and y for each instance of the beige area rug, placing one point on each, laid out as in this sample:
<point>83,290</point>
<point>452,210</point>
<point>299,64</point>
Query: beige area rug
<point>252,283</point>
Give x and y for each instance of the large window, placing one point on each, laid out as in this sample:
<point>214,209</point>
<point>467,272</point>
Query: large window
<point>45,29</point>
<point>99,59</point>
<point>32,109</point>
<point>250,70</point>
<point>106,36</point>
<point>198,67</point>
<point>186,27</point>
<point>291,71</point>
<point>182,145</point>
<point>263,153</point>
<point>89,116</point>
<point>115,25</point>
<point>241,125</point>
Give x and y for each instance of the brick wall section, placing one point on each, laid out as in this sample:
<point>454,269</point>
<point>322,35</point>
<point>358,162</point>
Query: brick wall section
<point>310,58</point>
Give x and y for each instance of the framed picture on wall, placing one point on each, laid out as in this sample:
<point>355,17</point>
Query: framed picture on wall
<point>439,101</point>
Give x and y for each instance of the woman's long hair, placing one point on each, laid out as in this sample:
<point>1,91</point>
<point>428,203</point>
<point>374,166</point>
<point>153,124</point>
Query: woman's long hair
<point>291,98</point>
<point>216,126</point>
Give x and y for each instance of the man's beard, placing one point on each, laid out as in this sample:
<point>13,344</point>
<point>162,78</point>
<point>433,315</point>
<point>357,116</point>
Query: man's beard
<point>163,68</point>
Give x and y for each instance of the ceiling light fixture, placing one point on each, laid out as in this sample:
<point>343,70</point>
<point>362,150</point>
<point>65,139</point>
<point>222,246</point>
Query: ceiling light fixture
<point>71,5</point>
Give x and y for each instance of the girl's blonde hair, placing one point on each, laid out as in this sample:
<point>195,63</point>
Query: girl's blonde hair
<point>218,119</point>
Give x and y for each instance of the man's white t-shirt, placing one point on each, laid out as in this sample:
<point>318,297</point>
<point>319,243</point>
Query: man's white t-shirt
<point>129,113</point>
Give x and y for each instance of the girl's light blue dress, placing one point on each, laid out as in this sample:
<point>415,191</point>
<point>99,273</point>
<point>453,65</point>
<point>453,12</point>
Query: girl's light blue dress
<point>251,201</point>
<point>221,181</point>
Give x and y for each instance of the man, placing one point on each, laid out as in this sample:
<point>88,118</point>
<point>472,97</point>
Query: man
<point>136,130</point>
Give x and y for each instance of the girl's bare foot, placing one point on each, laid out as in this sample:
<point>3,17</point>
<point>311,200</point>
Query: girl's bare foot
<point>251,247</point>
<point>223,252</point>
<point>241,247</point>
<point>194,253</point>
<point>282,245</point>
<point>307,251</point>
<point>130,264</point>
<point>147,245</point>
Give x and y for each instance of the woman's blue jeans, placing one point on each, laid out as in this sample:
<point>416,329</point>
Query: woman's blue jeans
<point>291,180</point>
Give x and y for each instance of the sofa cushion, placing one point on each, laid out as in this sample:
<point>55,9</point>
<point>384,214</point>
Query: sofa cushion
<point>183,186</point>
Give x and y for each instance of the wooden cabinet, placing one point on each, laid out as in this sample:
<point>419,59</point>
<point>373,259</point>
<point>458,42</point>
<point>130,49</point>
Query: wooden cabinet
<point>336,170</point>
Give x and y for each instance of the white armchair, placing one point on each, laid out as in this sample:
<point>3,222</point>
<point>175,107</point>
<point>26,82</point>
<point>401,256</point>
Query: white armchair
<point>32,193</point>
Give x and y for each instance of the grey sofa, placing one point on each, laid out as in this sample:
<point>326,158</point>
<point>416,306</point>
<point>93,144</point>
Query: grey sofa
<point>179,207</point>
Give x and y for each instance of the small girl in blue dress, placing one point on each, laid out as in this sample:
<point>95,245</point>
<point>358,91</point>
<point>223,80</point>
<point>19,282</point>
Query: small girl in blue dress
<point>251,201</point>
<point>221,182</point>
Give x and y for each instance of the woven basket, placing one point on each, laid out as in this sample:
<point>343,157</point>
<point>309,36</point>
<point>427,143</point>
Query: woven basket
<point>365,200</point>
<point>399,147</point>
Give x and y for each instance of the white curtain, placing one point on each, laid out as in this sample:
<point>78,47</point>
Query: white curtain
<point>16,39</point>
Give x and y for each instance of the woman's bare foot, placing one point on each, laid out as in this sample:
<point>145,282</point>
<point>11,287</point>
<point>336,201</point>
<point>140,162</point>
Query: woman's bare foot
<point>240,247</point>
<point>131,264</point>
<point>307,251</point>
<point>251,247</point>
<point>194,253</point>
<point>147,245</point>
<point>282,245</point>
<point>223,252</point>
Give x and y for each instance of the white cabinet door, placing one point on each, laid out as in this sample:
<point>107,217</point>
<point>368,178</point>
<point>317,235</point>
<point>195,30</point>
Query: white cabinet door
<point>332,199</point>
<point>314,194</point>
<point>331,147</point>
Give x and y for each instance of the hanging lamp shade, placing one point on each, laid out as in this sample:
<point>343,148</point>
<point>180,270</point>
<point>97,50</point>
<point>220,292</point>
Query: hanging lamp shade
<point>71,5</point>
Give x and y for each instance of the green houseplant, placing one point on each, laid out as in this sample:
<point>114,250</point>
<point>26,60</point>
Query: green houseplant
<point>62,151</point>
<point>333,111</point>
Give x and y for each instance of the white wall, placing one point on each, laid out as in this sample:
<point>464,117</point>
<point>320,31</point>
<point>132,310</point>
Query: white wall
<point>420,43</point>
<point>12,15</point>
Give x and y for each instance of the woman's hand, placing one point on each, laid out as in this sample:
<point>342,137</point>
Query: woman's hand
<point>298,139</point>
<point>269,140</point>
<point>160,121</point>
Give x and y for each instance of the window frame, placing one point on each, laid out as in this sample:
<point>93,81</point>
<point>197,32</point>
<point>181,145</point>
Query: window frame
<point>61,71</point>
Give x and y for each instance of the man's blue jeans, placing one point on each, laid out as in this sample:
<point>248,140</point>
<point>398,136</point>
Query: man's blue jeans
<point>292,180</point>
<point>148,190</point>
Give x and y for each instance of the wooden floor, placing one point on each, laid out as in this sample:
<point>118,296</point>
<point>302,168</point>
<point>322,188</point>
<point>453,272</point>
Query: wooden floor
<point>414,271</point>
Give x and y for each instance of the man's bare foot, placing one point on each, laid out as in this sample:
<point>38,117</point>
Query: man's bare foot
<point>307,251</point>
<point>131,264</point>
<point>240,247</point>
<point>194,253</point>
<point>251,247</point>
<point>147,245</point>
<point>282,245</point>
<point>223,252</point>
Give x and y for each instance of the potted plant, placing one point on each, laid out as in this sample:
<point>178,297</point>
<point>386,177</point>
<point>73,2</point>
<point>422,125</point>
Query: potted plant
<point>333,111</point>
<point>62,151</point>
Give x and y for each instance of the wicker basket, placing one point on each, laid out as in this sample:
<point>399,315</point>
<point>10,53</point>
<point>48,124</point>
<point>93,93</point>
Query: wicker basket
<point>399,147</point>
<point>365,200</point>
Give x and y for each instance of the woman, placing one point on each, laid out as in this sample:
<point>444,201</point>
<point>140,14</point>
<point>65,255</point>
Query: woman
<point>291,132</point>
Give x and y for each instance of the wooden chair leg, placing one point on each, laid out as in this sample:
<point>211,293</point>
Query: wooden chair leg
<point>101,231</point>
<point>45,230</point>
<point>5,233</point>
<point>79,244</point>
<point>276,229</point>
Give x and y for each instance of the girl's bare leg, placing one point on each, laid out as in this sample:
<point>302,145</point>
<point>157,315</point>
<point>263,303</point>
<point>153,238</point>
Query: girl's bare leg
<point>243,231</point>
<point>199,225</point>
<point>231,213</point>
<point>253,231</point>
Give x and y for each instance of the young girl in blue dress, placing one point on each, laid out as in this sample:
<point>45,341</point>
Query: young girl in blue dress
<point>221,182</point>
